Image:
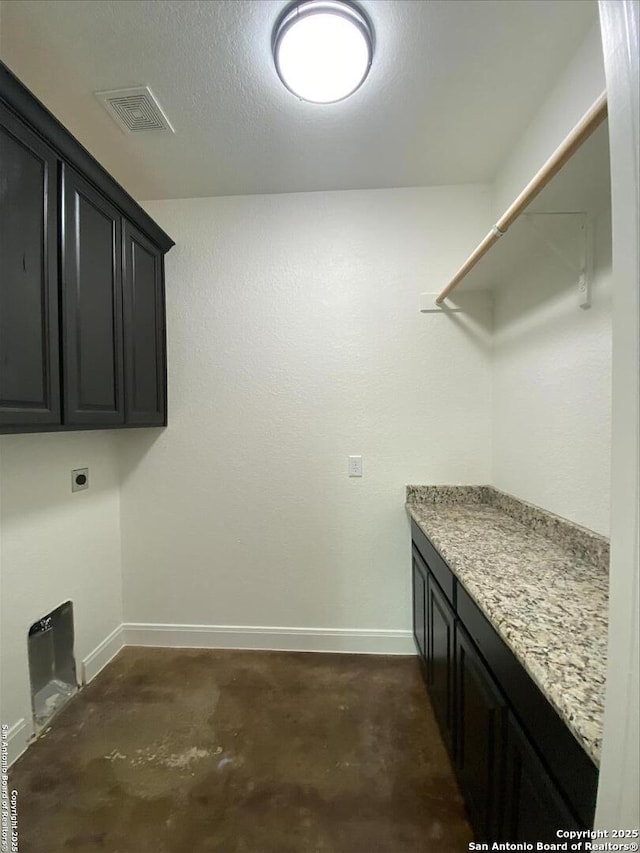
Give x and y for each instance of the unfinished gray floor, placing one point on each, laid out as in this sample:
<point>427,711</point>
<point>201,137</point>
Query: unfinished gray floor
<point>193,751</point>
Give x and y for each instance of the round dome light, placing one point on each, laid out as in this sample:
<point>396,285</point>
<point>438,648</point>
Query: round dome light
<point>322,49</point>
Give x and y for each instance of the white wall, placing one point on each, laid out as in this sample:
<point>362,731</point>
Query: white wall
<point>552,360</point>
<point>294,341</point>
<point>552,387</point>
<point>56,545</point>
<point>574,92</point>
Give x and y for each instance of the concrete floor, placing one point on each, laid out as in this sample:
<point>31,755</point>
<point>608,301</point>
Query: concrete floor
<point>194,751</point>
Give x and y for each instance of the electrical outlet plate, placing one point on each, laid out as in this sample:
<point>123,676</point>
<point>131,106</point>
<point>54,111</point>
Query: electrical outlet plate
<point>355,466</point>
<point>79,479</point>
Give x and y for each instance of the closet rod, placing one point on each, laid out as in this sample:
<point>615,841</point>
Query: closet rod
<point>592,119</point>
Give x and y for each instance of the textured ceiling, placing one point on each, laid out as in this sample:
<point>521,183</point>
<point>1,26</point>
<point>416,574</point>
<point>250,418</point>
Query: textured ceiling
<point>453,85</point>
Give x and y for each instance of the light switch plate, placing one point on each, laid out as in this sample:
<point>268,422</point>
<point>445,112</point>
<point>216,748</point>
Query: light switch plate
<point>79,479</point>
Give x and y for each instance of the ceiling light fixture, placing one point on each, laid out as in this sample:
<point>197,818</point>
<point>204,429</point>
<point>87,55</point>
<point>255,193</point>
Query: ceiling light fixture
<point>322,49</point>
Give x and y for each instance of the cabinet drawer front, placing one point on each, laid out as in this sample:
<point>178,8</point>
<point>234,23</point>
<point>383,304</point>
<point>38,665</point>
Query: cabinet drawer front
<point>29,372</point>
<point>569,764</point>
<point>92,305</point>
<point>144,329</point>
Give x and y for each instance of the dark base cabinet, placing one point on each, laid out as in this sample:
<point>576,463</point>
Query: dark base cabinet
<point>419,602</point>
<point>82,324</point>
<point>521,771</point>
<point>534,809</point>
<point>481,713</point>
<point>440,621</point>
<point>433,627</point>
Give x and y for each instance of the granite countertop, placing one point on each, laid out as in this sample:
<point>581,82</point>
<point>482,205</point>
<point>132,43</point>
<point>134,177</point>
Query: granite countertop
<point>541,581</point>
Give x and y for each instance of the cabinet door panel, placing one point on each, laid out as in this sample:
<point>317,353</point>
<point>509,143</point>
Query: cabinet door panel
<point>419,599</point>
<point>534,808</point>
<point>480,722</point>
<point>144,330</point>
<point>29,356</point>
<point>573,769</point>
<point>92,300</point>
<point>440,658</point>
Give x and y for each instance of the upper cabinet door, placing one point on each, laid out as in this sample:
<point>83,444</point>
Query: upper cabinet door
<point>144,330</point>
<point>29,352</point>
<point>92,305</point>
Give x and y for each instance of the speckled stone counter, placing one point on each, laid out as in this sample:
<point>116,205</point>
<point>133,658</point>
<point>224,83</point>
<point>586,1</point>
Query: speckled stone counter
<point>540,580</point>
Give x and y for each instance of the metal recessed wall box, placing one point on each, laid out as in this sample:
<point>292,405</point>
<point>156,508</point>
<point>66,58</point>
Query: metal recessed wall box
<point>79,479</point>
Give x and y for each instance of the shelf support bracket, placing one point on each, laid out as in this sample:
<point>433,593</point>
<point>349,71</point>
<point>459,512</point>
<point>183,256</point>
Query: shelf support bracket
<point>428,305</point>
<point>582,266</point>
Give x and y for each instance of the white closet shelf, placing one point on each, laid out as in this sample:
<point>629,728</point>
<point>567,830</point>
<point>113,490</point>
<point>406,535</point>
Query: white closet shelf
<point>572,185</point>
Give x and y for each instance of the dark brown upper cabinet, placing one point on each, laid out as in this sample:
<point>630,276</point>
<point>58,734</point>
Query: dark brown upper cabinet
<point>29,377</point>
<point>82,315</point>
<point>92,305</point>
<point>144,329</point>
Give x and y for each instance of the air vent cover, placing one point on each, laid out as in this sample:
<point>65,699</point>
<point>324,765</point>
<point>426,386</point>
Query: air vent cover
<point>135,110</point>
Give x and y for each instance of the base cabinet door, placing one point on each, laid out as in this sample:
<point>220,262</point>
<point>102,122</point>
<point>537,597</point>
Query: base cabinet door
<point>29,357</point>
<point>419,582</point>
<point>481,714</point>
<point>534,809</point>
<point>440,621</point>
<point>522,773</point>
<point>144,329</point>
<point>92,305</point>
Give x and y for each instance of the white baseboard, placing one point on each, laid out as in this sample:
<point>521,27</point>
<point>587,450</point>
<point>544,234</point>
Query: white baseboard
<point>102,654</point>
<point>355,640</point>
<point>18,738</point>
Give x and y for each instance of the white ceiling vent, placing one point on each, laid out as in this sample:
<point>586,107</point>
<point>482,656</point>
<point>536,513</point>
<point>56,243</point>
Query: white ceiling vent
<point>135,110</point>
